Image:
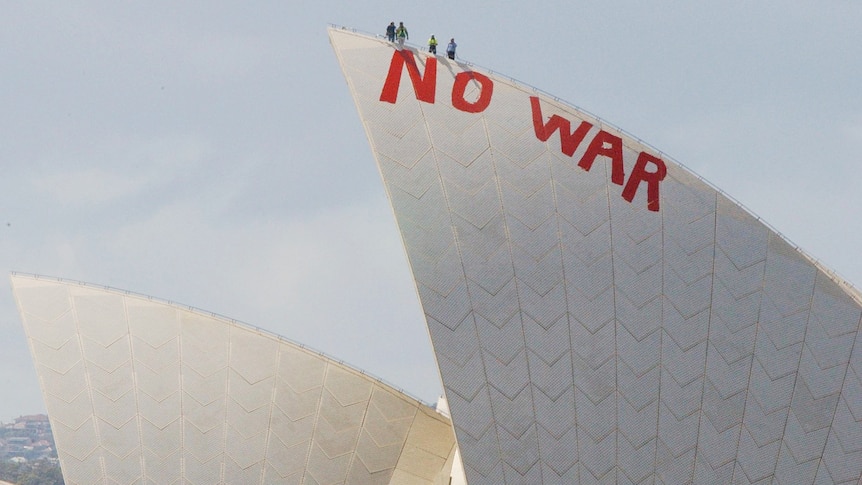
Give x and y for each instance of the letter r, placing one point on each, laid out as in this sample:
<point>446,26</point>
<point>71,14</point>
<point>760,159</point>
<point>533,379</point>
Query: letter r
<point>640,174</point>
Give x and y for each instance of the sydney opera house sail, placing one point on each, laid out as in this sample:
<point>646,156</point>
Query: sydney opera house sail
<point>598,313</point>
<point>145,392</point>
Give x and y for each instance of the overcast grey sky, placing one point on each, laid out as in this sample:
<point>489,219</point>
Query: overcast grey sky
<point>209,152</point>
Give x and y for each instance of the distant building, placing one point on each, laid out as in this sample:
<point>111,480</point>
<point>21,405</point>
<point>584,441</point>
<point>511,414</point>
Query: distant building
<point>27,437</point>
<point>36,421</point>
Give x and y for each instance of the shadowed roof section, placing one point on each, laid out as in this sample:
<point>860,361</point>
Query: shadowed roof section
<point>144,391</point>
<point>600,314</point>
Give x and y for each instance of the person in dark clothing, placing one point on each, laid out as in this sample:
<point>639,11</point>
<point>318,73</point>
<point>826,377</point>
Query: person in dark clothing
<point>450,49</point>
<point>390,32</point>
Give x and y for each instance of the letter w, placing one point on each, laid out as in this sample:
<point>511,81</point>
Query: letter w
<point>424,86</point>
<point>568,141</point>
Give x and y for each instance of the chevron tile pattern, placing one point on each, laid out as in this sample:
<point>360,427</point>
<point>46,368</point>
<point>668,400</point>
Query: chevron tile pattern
<point>583,337</point>
<point>145,392</point>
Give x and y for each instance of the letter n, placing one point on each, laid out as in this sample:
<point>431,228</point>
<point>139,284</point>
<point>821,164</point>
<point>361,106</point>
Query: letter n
<point>640,174</point>
<point>568,141</point>
<point>424,86</point>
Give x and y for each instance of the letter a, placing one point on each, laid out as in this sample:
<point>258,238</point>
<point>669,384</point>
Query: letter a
<point>424,86</point>
<point>614,152</point>
<point>639,174</point>
<point>568,141</point>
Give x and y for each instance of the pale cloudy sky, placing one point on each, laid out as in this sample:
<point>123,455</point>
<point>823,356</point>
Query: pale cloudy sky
<point>209,153</point>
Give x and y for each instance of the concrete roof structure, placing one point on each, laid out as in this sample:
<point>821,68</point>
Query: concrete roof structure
<point>600,314</point>
<point>141,391</point>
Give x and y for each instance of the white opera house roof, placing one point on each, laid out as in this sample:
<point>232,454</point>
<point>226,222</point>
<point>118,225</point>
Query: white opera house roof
<point>600,314</point>
<point>141,391</point>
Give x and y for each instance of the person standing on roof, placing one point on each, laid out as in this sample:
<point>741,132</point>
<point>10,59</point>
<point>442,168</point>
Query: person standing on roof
<point>401,34</point>
<point>432,45</point>
<point>390,32</point>
<point>450,49</point>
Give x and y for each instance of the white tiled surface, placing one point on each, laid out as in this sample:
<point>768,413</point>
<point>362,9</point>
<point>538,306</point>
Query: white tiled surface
<point>145,392</point>
<point>585,339</point>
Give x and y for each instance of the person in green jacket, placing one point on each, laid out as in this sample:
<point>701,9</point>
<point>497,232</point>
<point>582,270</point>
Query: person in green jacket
<point>401,34</point>
<point>432,45</point>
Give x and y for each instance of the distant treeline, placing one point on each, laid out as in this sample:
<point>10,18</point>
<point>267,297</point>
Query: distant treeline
<point>39,472</point>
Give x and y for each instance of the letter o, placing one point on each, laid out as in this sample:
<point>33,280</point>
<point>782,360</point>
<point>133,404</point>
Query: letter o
<point>486,89</point>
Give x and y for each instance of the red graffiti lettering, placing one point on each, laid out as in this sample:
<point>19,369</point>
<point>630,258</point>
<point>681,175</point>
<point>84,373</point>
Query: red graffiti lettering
<point>568,141</point>
<point>614,151</point>
<point>603,144</point>
<point>640,174</point>
<point>424,86</point>
<point>486,90</point>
